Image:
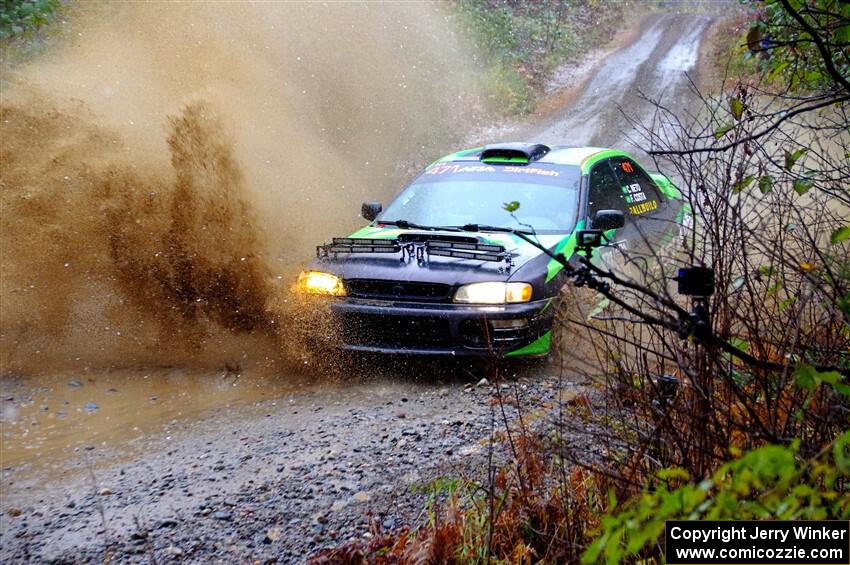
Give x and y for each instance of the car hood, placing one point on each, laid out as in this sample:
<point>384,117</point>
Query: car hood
<point>435,269</point>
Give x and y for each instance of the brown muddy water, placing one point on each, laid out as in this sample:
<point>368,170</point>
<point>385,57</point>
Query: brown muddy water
<point>49,420</point>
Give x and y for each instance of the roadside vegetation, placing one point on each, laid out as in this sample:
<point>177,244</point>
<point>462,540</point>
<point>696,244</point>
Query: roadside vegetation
<point>734,405</point>
<point>20,18</point>
<point>23,24</point>
<point>522,43</point>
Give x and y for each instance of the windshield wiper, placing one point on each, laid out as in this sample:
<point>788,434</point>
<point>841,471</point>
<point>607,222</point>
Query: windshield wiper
<point>405,225</point>
<point>483,227</point>
<point>524,235</point>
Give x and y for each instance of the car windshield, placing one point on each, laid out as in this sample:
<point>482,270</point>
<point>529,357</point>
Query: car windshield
<point>457,194</point>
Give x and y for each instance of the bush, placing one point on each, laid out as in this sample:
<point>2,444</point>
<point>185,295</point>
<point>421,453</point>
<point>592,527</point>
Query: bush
<point>768,483</point>
<point>21,18</point>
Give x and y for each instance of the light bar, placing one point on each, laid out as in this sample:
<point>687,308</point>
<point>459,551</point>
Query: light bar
<point>360,249</point>
<point>358,245</point>
<point>485,247</point>
<point>364,241</point>
<point>465,255</point>
<point>477,251</point>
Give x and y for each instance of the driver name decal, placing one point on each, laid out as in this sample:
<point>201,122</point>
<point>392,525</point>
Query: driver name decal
<point>634,195</point>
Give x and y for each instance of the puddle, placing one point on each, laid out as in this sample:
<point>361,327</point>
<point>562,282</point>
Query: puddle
<point>46,420</point>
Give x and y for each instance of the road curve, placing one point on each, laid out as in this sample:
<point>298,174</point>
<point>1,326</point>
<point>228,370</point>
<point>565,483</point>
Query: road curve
<point>655,64</point>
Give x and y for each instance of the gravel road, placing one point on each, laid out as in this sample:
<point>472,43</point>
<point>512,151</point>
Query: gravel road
<point>273,480</point>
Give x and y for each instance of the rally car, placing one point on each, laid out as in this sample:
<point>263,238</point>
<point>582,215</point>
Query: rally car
<point>449,266</point>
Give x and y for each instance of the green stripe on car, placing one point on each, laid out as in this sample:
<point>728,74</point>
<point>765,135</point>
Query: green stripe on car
<point>540,346</point>
<point>565,247</point>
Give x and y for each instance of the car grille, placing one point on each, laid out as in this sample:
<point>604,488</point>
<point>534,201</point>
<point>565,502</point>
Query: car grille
<point>398,290</point>
<point>380,330</point>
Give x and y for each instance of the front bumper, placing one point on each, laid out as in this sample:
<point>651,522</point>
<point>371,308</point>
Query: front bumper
<point>443,329</point>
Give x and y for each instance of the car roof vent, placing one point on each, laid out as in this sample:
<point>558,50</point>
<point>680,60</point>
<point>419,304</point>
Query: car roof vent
<point>513,152</point>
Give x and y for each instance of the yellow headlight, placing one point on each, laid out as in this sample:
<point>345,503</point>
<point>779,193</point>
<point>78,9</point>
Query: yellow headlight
<point>315,282</point>
<point>493,293</point>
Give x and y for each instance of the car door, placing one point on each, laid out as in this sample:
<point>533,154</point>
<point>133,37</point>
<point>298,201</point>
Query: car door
<point>646,210</point>
<point>605,193</point>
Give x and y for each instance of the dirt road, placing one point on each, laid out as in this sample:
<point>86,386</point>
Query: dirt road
<point>653,65</point>
<point>305,464</point>
<point>235,467</point>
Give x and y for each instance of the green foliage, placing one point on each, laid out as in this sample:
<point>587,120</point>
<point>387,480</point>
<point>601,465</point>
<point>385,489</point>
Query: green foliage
<point>723,130</point>
<point>792,157</point>
<point>733,56</point>
<point>768,483</point>
<point>493,28</point>
<point>802,186</point>
<point>513,95</point>
<point>809,378</point>
<point>736,106</point>
<point>743,183</point>
<point>523,33</point>
<point>840,234</point>
<point>21,18</point>
<point>787,51</point>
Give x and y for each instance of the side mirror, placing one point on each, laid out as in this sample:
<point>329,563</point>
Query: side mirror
<point>605,220</point>
<point>370,210</point>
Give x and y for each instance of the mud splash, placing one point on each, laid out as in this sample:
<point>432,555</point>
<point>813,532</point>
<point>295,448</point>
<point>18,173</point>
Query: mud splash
<point>168,265</point>
<point>165,173</point>
<point>189,252</point>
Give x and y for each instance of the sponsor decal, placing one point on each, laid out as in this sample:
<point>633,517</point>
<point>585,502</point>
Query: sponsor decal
<point>456,168</point>
<point>643,208</point>
<point>452,168</point>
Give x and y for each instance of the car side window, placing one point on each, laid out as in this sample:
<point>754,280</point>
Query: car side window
<point>604,190</point>
<point>640,194</point>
